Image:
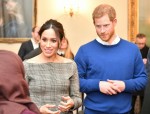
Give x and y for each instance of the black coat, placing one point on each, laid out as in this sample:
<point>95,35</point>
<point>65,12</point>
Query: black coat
<point>33,53</point>
<point>25,48</point>
<point>146,103</point>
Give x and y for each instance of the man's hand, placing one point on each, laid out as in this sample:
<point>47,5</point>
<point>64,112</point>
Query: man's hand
<point>107,88</point>
<point>145,61</point>
<point>118,85</point>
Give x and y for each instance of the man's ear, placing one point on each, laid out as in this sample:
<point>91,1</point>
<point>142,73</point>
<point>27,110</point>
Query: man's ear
<point>115,21</point>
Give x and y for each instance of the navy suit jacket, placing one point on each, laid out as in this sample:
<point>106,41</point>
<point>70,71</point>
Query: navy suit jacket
<point>146,102</point>
<point>25,48</point>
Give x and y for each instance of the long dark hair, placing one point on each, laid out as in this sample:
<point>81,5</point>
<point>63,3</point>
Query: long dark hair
<point>54,24</point>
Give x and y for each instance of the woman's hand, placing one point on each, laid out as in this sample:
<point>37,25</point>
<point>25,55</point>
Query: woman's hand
<point>46,109</point>
<point>66,104</point>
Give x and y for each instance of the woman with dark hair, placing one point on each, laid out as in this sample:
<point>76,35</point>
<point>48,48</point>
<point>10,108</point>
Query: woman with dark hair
<point>53,79</point>
<point>14,92</point>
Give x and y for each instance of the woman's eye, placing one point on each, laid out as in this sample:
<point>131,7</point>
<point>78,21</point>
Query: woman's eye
<point>53,41</point>
<point>44,39</point>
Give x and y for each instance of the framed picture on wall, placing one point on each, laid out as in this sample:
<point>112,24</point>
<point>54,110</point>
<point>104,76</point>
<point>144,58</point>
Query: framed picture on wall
<point>132,19</point>
<point>144,18</point>
<point>17,17</point>
<point>139,19</point>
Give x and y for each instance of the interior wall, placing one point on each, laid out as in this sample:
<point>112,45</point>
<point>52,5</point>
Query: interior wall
<point>79,28</point>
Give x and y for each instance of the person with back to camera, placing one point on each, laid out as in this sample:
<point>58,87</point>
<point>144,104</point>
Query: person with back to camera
<point>110,68</point>
<point>141,43</point>
<point>14,90</point>
<point>31,44</point>
<point>53,79</point>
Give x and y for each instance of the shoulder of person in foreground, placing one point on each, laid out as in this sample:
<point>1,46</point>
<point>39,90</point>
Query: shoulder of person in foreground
<point>11,97</point>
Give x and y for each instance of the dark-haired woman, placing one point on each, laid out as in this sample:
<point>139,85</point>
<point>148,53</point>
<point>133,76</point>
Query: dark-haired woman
<point>53,79</point>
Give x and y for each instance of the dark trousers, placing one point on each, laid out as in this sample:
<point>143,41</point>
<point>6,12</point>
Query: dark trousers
<point>134,97</point>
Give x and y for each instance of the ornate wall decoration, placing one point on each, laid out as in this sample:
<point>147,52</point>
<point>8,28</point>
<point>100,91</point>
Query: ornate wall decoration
<point>133,19</point>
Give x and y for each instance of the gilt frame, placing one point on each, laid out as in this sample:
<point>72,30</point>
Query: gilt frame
<point>132,19</point>
<point>34,22</point>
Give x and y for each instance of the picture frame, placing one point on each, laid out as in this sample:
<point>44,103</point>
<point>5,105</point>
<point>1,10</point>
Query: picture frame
<point>132,22</point>
<point>132,19</point>
<point>33,23</point>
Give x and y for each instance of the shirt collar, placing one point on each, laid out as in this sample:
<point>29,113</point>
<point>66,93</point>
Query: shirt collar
<point>116,41</point>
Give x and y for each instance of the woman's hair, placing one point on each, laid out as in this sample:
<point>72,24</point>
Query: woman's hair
<point>56,26</point>
<point>102,10</point>
<point>68,53</point>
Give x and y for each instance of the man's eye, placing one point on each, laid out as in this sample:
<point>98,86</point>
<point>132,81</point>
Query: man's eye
<point>106,25</point>
<point>98,26</point>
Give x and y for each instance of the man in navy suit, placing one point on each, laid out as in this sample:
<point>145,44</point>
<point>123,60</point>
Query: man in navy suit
<point>31,44</point>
